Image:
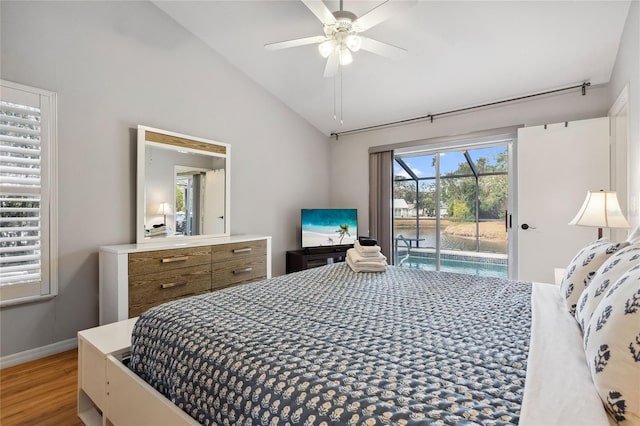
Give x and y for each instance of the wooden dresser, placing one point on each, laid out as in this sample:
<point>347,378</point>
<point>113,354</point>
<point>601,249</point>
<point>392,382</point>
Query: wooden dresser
<point>136,277</point>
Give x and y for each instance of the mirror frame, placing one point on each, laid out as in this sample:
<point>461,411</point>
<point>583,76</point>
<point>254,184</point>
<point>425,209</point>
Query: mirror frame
<point>182,142</point>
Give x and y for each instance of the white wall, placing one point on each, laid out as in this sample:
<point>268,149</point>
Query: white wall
<point>627,71</point>
<point>349,155</point>
<point>115,65</point>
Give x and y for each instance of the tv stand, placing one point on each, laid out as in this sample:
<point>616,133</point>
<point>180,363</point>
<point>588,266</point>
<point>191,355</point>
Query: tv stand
<point>299,260</point>
<point>326,250</point>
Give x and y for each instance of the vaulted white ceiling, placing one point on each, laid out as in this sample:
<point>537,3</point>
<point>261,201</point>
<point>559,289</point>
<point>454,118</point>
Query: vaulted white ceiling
<point>460,53</point>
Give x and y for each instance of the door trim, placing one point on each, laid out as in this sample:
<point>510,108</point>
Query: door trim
<point>619,182</point>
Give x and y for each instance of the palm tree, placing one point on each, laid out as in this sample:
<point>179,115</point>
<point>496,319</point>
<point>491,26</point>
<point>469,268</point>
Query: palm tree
<point>342,231</point>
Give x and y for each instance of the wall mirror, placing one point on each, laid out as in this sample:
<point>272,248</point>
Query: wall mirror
<point>183,186</point>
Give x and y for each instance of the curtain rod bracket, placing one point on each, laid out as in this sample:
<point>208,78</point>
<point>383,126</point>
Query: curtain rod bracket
<point>584,87</point>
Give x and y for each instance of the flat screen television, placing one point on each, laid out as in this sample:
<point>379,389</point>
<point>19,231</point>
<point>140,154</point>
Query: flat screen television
<point>329,227</point>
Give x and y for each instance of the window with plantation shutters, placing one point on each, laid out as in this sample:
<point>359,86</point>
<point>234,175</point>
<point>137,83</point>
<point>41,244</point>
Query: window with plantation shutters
<point>27,186</point>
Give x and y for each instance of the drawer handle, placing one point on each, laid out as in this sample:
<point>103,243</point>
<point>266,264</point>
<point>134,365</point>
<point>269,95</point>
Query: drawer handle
<point>175,259</point>
<point>242,271</point>
<point>171,285</point>
<point>242,250</point>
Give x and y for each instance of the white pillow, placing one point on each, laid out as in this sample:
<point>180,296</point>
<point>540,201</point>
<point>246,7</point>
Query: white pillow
<point>583,266</point>
<point>634,236</point>
<point>605,276</point>
<point>612,348</point>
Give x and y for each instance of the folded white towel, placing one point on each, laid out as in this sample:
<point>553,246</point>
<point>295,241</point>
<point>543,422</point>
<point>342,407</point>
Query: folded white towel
<point>379,267</point>
<point>368,253</point>
<point>364,265</point>
<point>366,249</point>
<point>161,230</point>
<point>357,257</point>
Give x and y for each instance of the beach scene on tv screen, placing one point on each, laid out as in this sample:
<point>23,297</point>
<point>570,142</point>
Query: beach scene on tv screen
<point>333,227</point>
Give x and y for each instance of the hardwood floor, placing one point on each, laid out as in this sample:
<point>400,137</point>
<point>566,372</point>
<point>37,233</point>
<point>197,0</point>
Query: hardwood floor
<point>41,392</point>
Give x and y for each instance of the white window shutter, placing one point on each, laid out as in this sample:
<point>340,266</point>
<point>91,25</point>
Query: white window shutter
<point>25,193</point>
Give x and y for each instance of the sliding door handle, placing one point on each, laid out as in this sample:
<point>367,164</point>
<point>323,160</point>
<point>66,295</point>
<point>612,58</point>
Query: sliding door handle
<point>508,222</point>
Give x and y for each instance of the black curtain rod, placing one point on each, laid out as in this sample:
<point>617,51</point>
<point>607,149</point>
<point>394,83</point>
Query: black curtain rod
<point>430,117</point>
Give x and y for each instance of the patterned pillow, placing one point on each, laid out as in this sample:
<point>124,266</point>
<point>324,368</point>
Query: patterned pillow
<point>612,347</point>
<point>605,276</point>
<point>583,266</point>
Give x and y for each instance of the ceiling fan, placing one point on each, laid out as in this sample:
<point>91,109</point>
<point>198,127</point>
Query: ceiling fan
<point>342,33</point>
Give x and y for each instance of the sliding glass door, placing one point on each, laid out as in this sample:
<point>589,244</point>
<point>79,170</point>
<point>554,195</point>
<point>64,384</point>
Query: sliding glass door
<point>450,209</point>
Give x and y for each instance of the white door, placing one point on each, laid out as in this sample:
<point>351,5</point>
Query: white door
<point>214,202</point>
<point>556,167</point>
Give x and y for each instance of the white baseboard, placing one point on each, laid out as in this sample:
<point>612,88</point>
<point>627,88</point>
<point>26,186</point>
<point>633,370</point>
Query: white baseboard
<point>37,353</point>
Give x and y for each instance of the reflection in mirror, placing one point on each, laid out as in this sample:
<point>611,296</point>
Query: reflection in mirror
<point>183,186</point>
<point>199,196</point>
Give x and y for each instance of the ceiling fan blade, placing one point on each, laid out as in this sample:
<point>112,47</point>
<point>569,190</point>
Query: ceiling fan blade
<point>333,61</point>
<point>295,43</point>
<point>381,13</point>
<point>382,49</point>
<point>321,11</point>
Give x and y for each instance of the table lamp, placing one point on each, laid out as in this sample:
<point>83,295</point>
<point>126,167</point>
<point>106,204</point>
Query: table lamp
<point>600,209</point>
<point>164,209</point>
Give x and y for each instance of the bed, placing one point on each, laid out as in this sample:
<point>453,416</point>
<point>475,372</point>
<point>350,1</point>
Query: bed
<point>331,346</point>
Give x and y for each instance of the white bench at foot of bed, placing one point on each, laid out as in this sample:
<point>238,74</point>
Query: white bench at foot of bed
<point>111,394</point>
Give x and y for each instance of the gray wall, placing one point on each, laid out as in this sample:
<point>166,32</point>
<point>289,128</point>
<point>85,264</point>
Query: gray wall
<point>349,155</point>
<point>115,65</point>
<point>627,71</point>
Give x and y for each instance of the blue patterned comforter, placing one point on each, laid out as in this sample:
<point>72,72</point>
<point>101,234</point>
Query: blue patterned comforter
<point>329,346</point>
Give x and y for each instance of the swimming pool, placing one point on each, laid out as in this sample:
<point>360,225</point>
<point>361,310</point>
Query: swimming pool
<point>482,269</point>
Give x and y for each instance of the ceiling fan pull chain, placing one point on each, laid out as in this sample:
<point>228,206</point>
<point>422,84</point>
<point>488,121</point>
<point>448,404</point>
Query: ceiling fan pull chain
<point>335,117</point>
<point>341,97</point>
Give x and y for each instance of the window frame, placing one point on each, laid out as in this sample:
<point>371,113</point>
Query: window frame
<point>47,287</point>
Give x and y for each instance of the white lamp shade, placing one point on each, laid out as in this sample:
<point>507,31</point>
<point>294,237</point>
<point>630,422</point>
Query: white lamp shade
<point>164,208</point>
<point>354,42</point>
<point>345,56</point>
<point>327,47</point>
<point>600,209</point>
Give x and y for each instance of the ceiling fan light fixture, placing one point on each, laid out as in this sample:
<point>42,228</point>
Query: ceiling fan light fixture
<point>327,47</point>
<point>354,42</point>
<point>342,33</point>
<point>345,56</point>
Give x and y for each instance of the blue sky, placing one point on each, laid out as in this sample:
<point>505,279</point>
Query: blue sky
<point>449,161</point>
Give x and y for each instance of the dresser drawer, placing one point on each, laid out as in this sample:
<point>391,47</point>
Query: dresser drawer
<point>164,260</point>
<point>135,310</point>
<point>235,251</point>
<point>239,271</point>
<point>167,285</point>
